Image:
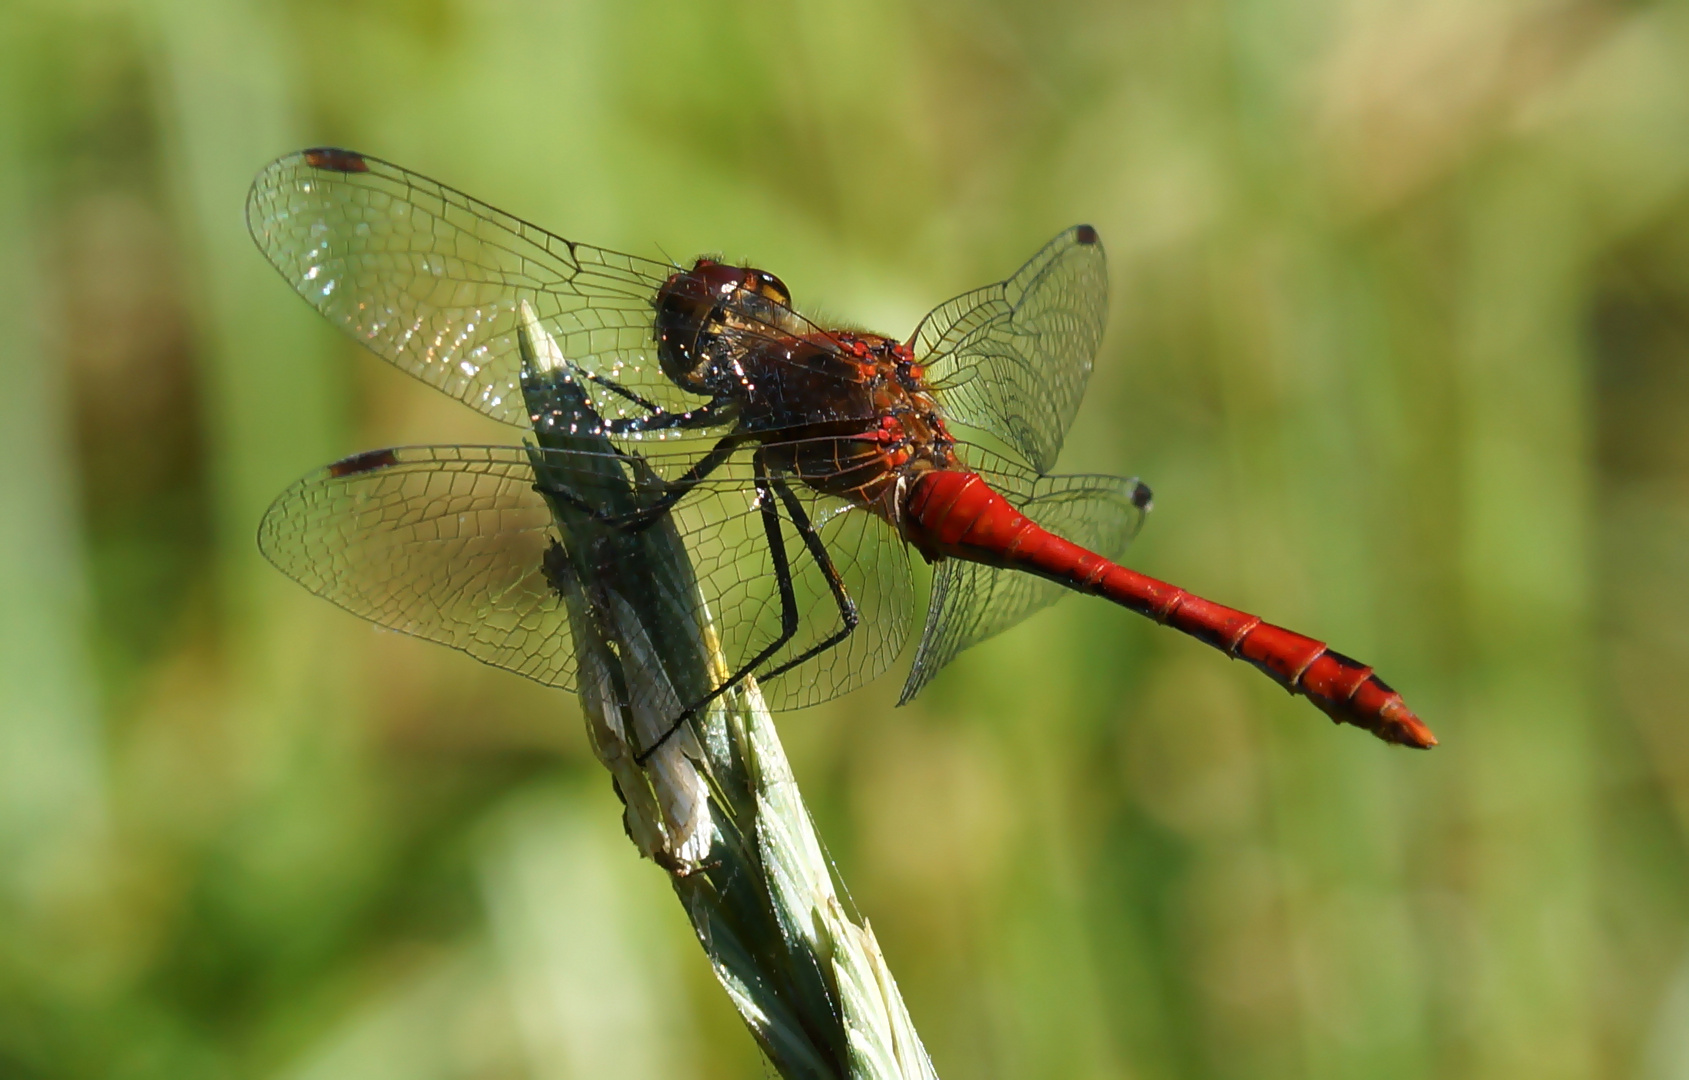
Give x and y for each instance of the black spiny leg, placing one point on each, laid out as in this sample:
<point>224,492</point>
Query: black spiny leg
<point>657,418</point>
<point>672,491</point>
<point>764,482</point>
<point>660,419</point>
<point>616,388</point>
<point>848,616</point>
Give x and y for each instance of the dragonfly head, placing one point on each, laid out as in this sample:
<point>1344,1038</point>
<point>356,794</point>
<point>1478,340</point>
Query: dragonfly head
<point>698,311</point>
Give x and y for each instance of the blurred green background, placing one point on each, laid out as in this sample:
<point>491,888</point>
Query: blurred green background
<point>1400,336</point>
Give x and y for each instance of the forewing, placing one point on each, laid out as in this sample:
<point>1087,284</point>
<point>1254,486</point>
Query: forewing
<point>431,280</point>
<point>1013,358</point>
<point>446,543</point>
<point>971,602</point>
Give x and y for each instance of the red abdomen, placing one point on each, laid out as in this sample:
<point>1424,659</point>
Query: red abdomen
<point>954,514</point>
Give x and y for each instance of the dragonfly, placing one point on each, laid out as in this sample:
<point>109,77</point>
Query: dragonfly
<point>799,463</point>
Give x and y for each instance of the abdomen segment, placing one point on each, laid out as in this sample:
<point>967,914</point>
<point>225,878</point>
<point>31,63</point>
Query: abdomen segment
<point>957,515</point>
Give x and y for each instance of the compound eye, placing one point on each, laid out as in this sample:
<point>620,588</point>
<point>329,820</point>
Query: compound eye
<point>769,286</point>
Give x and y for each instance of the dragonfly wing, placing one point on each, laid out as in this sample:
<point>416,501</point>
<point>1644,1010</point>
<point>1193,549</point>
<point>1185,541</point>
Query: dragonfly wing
<point>446,543</point>
<point>451,544</point>
<point>971,602</point>
<point>1013,358</point>
<point>431,280</point>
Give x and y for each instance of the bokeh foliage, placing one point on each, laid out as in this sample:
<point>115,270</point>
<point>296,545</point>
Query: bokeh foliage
<point>1400,337</point>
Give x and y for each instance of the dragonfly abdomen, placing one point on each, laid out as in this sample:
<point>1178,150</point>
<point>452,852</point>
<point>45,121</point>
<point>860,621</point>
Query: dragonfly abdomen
<point>955,514</point>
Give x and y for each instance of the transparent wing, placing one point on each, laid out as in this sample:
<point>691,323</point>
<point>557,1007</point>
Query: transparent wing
<point>450,543</point>
<point>432,281</point>
<point>971,602</point>
<point>1013,358</point>
<point>446,543</point>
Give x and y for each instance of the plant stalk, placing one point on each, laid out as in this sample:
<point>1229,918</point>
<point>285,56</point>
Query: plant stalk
<point>715,805</point>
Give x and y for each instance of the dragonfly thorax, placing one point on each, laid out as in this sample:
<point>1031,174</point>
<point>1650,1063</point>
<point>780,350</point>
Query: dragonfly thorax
<point>849,415</point>
<point>845,412</point>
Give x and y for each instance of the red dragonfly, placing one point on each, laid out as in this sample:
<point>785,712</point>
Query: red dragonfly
<point>797,462</point>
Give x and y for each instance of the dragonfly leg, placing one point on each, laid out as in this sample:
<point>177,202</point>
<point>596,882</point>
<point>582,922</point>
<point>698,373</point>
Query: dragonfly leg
<point>848,615</point>
<point>766,503</point>
<point>616,388</point>
<point>656,418</point>
<point>676,489</point>
<point>672,491</point>
<point>660,419</point>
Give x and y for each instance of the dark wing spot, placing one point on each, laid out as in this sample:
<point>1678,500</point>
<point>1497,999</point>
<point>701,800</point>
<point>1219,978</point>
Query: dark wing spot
<point>1085,234</point>
<point>1142,496</point>
<point>368,461</point>
<point>336,159</point>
